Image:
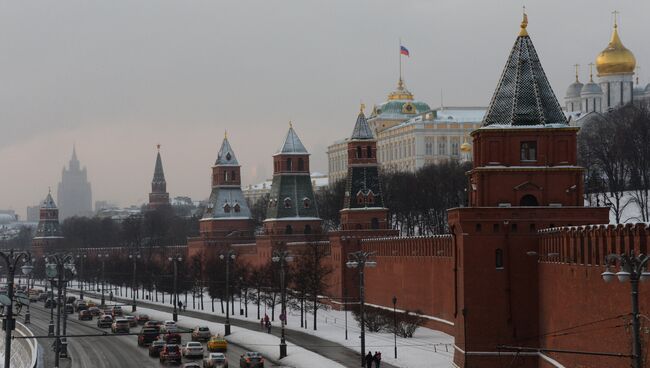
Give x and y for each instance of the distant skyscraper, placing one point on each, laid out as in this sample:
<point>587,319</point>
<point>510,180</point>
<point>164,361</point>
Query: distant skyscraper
<point>74,195</point>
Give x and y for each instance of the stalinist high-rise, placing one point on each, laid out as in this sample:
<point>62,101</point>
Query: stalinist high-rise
<point>74,195</point>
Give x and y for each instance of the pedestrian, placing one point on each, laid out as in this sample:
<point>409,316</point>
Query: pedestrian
<point>110,296</point>
<point>268,326</point>
<point>377,359</point>
<point>369,360</point>
<point>180,305</point>
<point>261,323</point>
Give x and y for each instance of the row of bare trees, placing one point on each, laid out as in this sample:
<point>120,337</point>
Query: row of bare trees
<point>615,149</point>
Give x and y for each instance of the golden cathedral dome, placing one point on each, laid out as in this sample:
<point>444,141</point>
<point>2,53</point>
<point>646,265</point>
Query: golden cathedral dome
<point>401,93</point>
<point>615,59</point>
<point>465,147</point>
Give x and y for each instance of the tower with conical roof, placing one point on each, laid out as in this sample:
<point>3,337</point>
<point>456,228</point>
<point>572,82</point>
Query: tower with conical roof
<point>525,178</point>
<point>158,198</point>
<point>74,192</point>
<point>292,206</point>
<point>363,206</point>
<point>48,233</point>
<point>226,212</point>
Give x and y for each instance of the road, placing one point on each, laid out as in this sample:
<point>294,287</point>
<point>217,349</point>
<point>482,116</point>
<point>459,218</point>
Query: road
<point>101,351</point>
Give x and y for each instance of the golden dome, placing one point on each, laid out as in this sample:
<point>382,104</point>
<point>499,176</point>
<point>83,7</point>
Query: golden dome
<point>401,93</point>
<point>615,59</point>
<point>465,147</point>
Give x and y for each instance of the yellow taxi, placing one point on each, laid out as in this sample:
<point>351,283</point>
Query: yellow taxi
<point>91,304</point>
<point>217,343</point>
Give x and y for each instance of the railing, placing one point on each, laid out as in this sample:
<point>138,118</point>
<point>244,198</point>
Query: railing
<point>24,351</point>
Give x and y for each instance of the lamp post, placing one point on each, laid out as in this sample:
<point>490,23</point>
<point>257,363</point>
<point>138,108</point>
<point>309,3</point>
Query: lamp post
<point>103,258</point>
<point>175,260</point>
<point>59,267</point>
<point>28,316</point>
<point>12,259</point>
<point>634,269</point>
<point>81,258</point>
<point>228,256</point>
<point>134,256</point>
<point>395,323</point>
<point>360,260</point>
<point>282,257</point>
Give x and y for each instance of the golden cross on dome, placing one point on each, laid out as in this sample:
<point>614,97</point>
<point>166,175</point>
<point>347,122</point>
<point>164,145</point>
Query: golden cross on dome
<point>225,134</point>
<point>616,13</point>
<point>290,124</point>
<point>637,74</point>
<point>576,66</point>
<point>362,107</point>
<point>524,23</point>
<point>591,72</point>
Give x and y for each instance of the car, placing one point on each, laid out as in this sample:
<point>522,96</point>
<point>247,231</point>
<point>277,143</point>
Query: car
<point>191,365</point>
<point>170,353</point>
<point>104,321</point>
<point>70,300</point>
<point>215,360</point>
<point>192,349</point>
<point>147,336</point>
<point>94,311</point>
<point>120,325</point>
<point>91,304</point>
<point>142,319</point>
<point>50,303</point>
<point>169,323</point>
<point>85,315</point>
<point>132,321</point>
<point>217,343</point>
<point>155,348</point>
<point>34,294</point>
<point>69,308</point>
<point>172,338</point>
<point>116,311</point>
<point>80,305</point>
<point>201,333</point>
<point>153,323</point>
<point>251,359</point>
<point>43,297</point>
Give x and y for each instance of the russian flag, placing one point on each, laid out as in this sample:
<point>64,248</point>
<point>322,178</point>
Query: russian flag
<point>404,51</point>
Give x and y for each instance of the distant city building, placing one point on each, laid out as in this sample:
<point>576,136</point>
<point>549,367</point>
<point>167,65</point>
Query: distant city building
<point>100,205</point>
<point>615,85</point>
<point>119,214</point>
<point>158,197</point>
<point>33,213</point>
<point>74,194</point>
<point>410,135</point>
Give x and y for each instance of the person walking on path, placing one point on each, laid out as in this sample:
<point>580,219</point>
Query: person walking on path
<point>262,324</point>
<point>377,358</point>
<point>268,326</point>
<point>369,359</point>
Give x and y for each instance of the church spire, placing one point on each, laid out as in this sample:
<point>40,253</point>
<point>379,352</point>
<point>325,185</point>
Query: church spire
<point>361,128</point>
<point>158,196</point>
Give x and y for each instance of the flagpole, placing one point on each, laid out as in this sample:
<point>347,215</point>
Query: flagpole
<point>400,59</point>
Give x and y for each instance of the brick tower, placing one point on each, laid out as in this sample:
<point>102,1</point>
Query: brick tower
<point>48,233</point>
<point>525,178</point>
<point>292,207</point>
<point>158,198</point>
<point>227,211</point>
<point>364,204</point>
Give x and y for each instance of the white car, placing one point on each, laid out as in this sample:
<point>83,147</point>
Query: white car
<point>192,349</point>
<point>169,326</point>
<point>215,360</point>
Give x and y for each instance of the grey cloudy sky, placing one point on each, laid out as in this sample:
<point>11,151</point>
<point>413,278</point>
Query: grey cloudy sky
<point>117,77</point>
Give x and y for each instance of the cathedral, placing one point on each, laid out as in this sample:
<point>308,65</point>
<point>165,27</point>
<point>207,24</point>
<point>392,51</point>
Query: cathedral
<point>74,194</point>
<point>615,86</point>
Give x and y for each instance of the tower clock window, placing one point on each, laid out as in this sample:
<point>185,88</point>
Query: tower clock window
<point>528,151</point>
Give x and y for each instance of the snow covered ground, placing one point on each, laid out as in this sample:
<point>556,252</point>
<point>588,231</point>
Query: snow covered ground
<point>428,348</point>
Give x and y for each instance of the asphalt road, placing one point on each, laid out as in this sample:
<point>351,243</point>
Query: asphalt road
<point>109,351</point>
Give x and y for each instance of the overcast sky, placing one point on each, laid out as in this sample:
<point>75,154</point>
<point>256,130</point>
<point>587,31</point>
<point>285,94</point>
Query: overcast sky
<point>117,77</point>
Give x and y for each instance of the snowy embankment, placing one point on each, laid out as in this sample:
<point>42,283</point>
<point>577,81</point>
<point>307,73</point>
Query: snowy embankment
<point>427,349</point>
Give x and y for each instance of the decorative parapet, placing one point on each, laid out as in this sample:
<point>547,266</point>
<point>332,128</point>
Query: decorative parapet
<point>590,244</point>
<point>411,246</point>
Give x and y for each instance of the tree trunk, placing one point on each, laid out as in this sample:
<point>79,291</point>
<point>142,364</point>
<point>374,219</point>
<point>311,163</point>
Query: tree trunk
<point>258,302</point>
<point>302,311</point>
<point>315,310</point>
<point>221,302</point>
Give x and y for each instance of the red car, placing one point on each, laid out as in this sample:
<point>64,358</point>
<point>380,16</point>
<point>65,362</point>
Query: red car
<point>170,353</point>
<point>147,336</point>
<point>172,338</point>
<point>142,319</point>
<point>85,315</point>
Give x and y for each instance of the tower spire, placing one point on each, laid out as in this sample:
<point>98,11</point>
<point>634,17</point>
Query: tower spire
<point>524,23</point>
<point>591,72</point>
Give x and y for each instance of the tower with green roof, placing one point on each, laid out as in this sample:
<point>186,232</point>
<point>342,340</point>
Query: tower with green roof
<point>292,206</point>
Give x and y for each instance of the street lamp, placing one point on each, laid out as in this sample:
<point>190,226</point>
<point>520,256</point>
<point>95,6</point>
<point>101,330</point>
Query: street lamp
<point>28,272</point>
<point>395,323</point>
<point>103,258</point>
<point>228,257</point>
<point>81,258</point>
<point>175,260</point>
<point>282,257</point>
<point>360,260</point>
<point>631,268</point>
<point>11,260</point>
<point>134,256</point>
<point>60,267</point>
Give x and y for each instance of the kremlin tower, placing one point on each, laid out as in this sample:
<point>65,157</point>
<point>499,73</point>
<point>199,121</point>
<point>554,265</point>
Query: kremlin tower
<point>48,233</point>
<point>158,198</point>
<point>292,207</point>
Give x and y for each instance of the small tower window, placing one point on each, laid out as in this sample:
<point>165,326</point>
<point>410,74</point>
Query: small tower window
<point>370,197</point>
<point>306,202</point>
<point>358,151</point>
<point>360,198</point>
<point>225,176</point>
<point>288,230</point>
<point>287,202</point>
<point>528,151</point>
<point>498,259</point>
<point>226,208</point>
<point>289,165</point>
<point>369,151</point>
<point>301,164</point>
<point>307,229</point>
<point>374,223</point>
<point>237,208</point>
<point>234,175</point>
